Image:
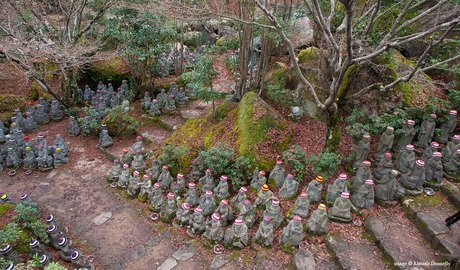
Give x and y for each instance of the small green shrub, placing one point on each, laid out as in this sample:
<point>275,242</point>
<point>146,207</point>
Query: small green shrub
<point>119,123</point>
<point>171,156</point>
<point>325,164</point>
<point>91,121</point>
<point>454,96</point>
<point>217,158</point>
<point>238,172</point>
<point>296,159</point>
<point>10,234</point>
<point>54,266</point>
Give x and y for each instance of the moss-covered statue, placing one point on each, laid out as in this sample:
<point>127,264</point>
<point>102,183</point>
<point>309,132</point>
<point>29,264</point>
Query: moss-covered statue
<point>434,146</point>
<point>225,212</point>
<point>197,224</point>
<point>289,188</point>
<point>154,170</point>
<point>168,212</point>
<point>221,190</point>
<point>56,113</point>
<point>165,178</point>
<point>301,206</point>
<point>208,204</point>
<point>448,127</point>
<point>258,181</point>
<point>362,152</point>
<point>105,140</point>
<point>274,211</point>
<point>264,197</point>
<point>341,210</point>
<point>388,188</point>
<point>413,181</point>
<point>123,179</point>
<point>452,168</point>
<point>207,181</point>
<point>59,158</point>
<point>407,134</point>
<point>214,230</point>
<point>138,163</point>
<point>248,213</point>
<point>194,174</point>
<point>434,169</point>
<point>405,160</point>
<point>30,161</point>
<point>237,234</point>
<point>114,173</point>
<point>317,224</point>
<point>134,185</point>
<point>126,157</point>
<point>385,143</point>
<point>363,173</point>
<point>146,189</point>
<point>178,186</point>
<point>364,196</point>
<point>384,167</point>
<point>157,200</point>
<point>265,234</point>
<point>237,201</point>
<point>145,102</point>
<point>191,197</point>
<point>138,146</point>
<point>79,261</point>
<point>293,234</point>
<point>65,249</point>
<point>334,190</point>
<point>314,189</point>
<point>184,218</point>
<point>154,108</point>
<point>451,148</point>
<point>426,132</point>
<point>277,175</point>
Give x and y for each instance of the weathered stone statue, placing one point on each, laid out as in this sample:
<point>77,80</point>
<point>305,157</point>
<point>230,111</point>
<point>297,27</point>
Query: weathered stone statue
<point>364,197</point>
<point>405,160</point>
<point>59,158</point>
<point>157,200</point>
<point>45,104</point>
<point>165,178</point>
<point>363,173</point>
<point>19,118</point>
<point>44,160</point>
<point>73,128</point>
<point>387,189</point>
<point>451,148</point>
<point>274,211</point>
<point>276,176</point>
<point>197,221</point>
<point>293,234</point>
<point>184,218</point>
<point>138,163</point>
<point>221,190</point>
<point>30,162</point>
<point>384,167</point>
<point>363,150</point>
<point>54,235</point>
<point>448,127</point>
<point>413,181</point>
<point>42,116</point>
<point>265,234</point>
<point>30,124</point>
<point>208,204</point>
<point>134,185</point>
<point>79,261</point>
<point>264,197</point>
<point>60,143</point>
<point>2,135</point>
<point>434,146</point>
<point>145,102</point>
<point>237,234</point>
<point>317,224</point>
<point>168,212</point>
<point>434,169</point>
<point>425,135</point>
<point>65,249</point>
<point>301,206</point>
<point>170,105</point>
<point>56,112</point>
<point>237,201</point>
<point>452,167</point>
<point>162,98</point>
<point>114,173</point>
<point>289,188</point>
<point>206,181</point>
<point>123,179</point>
<point>180,98</point>
<point>105,139</point>
<point>87,93</point>
<point>138,146</point>
<point>341,210</point>
<point>225,212</point>
<point>334,190</point>
<point>258,181</point>
<point>154,108</point>
<point>178,187</point>
<point>214,230</point>
<point>385,143</point>
<point>191,197</point>
<point>154,171</point>
<point>408,134</point>
<point>146,189</point>
<point>314,189</point>
<point>51,220</point>
<point>194,174</point>
<point>36,249</point>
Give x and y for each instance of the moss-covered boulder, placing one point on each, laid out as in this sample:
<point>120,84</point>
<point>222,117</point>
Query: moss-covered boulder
<point>111,68</point>
<point>245,126</point>
<point>7,105</point>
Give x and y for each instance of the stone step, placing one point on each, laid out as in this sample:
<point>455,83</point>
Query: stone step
<point>452,191</point>
<point>429,213</point>
<point>358,253</point>
<point>401,243</point>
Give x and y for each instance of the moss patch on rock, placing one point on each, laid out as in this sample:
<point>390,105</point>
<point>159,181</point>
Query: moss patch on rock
<point>308,55</point>
<point>112,69</point>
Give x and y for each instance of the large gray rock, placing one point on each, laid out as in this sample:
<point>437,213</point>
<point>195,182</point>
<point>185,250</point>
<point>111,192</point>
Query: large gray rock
<point>102,218</point>
<point>375,227</point>
<point>301,33</point>
<point>168,264</point>
<point>139,252</point>
<point>304,260</point>
<point>219,261</point>
<point>185,252</point>
<point>433,224</point>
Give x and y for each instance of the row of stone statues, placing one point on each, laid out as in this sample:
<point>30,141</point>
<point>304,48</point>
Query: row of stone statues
<point>57,237</point>
<point>167,102</point>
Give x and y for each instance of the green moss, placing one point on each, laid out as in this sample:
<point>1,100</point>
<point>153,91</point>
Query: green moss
<point>10,102</point>
<point>349,74</point>
<point>23,246</point>
<point>309,55</point>
<point>4,208</point>
<point>111,69</point>
<point>429,201</point>
<point>223,110</point>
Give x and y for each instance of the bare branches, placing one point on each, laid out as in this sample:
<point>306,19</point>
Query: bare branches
<point>370,23</point>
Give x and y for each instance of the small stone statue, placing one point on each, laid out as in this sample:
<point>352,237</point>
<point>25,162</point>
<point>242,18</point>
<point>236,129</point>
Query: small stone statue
<point>197,221</point>
<point>146,189</point>
<point>334,190</point>
<point>425,135</point>
<point>405,160</point>
<point>184,219</point>
<point>434,169</point>
<point>317,224</point>
<point>180,98</point>
<point>165,178</point>
<point>274,211</point>
<point>44,160</point>
<point>162,98</point>
<point>54,235</point>
<point>138,163</point>
<point>301,206</point>
<point>105,139</point>
<point>385,166</point>
<point>30,162</point>
<point>265,234</point>
<point>293,234</point>
<point>248,213</point>
<point>276,176</point>
<point>258,181</point>
<point>237,234</point>
<point>79,261</point>
<point>154,108</point>
<point>42,117</point>
<point>225,212</point>
<point>206,181</point>
<point>154,171</point>
<point>264,197</point>
<point>157,200</point>
<point>2,136</point>
<point>87,93</point>
<point>214,230</point>
<point>45,104</point>
<point>363,173</point>
<point>208,204</point>
<point>168,212</point>
<point>385,143</point>
<point>237,201</point>
<point>19,118</point>
<point>51,220</point>
<point>413,181</point>
<point>30,124</point>
<point>138,146</point>
<point>59,158</point>
<point>114,173</point>
<point>36,249</point>
<point>341,210</point>
<point>289,188</point>
<point>123,179</point>
<point>145,102</point>
<point>178,187</point>
<point>364,197</point>
<point>221,190</point>
<point>56,112</point>
<point>452,168</point>
<point>170,105</point>
<point>194,174</point>
<point>134,185</point>
<point>191,197</point>
<point>448,127</point>
<point>434,146</point>
<point>387,189</point>
<point>314,189</point>
<point>408,134</point>
<point>451,148</point>
<point>65,249</point>
<point>363,150</point>
<point>72,127</point>
<point>126,157</point>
